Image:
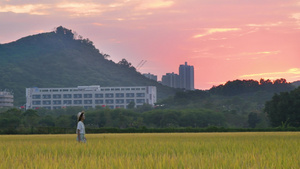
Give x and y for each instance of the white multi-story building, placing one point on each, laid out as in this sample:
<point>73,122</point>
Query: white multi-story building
<point>6,99</point>
<point>89,97</point>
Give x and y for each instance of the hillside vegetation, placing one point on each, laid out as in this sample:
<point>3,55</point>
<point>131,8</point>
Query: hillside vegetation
<point>61,59</point>
<point>241,102</point>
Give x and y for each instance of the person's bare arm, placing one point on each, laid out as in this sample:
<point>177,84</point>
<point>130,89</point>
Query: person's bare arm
<point>78,135</point>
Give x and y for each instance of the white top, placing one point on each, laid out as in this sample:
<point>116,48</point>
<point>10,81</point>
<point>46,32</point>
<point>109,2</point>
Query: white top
<point>80,126</point>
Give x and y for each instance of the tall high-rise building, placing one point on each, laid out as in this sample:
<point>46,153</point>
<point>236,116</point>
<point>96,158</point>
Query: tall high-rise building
<point>186,75</point>
<point>171,80</point>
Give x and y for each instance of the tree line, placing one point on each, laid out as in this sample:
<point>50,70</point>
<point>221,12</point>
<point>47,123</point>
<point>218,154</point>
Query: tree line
<point>118,118</point>
<point>236,87</point>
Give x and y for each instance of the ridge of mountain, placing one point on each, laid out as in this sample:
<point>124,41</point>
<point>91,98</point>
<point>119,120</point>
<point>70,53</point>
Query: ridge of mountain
<point>296,83</point>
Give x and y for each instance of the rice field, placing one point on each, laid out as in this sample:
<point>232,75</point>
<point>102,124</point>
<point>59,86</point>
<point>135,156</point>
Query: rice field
<point>159,151</point>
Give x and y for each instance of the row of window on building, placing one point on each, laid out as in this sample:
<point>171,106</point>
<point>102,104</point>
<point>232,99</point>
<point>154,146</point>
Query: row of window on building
<point>95,88</point>
<point>107,95</point>
<point>85,107</point>
<point>79,102</point>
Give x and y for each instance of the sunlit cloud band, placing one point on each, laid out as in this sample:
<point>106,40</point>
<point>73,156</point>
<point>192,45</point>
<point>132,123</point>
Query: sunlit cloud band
<point>292,71</point>
<point>33,9</point>
<point>215,30</point>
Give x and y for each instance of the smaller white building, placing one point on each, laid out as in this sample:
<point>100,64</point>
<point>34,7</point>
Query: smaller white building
<point>89,97</point>
<point>6,99</point>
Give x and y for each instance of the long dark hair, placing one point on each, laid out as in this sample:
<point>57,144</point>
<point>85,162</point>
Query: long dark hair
<point>79,119</point>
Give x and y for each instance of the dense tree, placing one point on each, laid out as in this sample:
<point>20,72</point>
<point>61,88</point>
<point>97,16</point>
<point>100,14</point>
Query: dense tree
<point>11,122</point>
<point>170,118</point>
<point>47,121</point>
<point>253,119</point>
<point>131,105</point>
<point>124,63</point>
<point>64,32</point>
<point>284,109</point>
<point>65,121</point>
<point>153,118</point>
<point>30,118</point>
<point>145,107</point>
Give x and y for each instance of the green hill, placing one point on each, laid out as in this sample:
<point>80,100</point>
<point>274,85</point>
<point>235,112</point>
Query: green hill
<point>59,59</point>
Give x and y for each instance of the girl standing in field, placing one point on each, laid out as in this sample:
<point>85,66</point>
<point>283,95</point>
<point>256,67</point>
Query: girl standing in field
<point>80,131</point>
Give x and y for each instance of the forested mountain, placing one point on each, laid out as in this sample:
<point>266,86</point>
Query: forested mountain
<point>62,59</point>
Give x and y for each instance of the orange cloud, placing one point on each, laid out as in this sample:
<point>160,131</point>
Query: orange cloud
<point>39,31</point>
<point>265,24</point>
<point>154,4</point>
<point>215,30</point>
<point>97,24</point>
<point>262,53</point>
<point>32,9</point>
<point>84,9</point>
<point>296,16</point>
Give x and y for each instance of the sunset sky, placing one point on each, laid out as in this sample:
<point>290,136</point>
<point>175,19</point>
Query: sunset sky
<point>223,39</point>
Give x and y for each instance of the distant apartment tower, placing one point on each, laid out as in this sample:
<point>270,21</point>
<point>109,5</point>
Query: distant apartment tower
<point>89,97</point>
<point>6,99</point>
<point>186,75</point>
<point>150,76</point>
<point>171,80</point>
